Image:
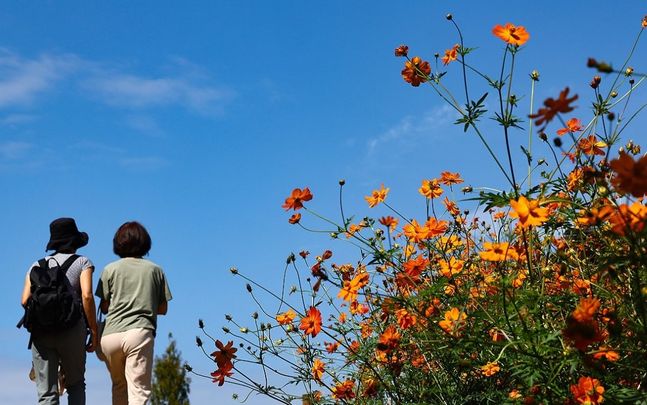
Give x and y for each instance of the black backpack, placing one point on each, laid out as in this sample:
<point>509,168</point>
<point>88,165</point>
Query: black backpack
<point>52,306</point>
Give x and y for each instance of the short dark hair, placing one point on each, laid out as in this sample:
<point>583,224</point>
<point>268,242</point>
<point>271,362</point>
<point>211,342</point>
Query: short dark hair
<point>131,240</point>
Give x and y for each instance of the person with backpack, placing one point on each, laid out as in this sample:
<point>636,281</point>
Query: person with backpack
<point>133,291</point>
<point>59,311</point>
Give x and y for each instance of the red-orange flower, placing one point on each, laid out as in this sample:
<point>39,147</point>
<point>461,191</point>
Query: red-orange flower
<point>311,323</point>
<point>450,55</point>
<point>415,232</point>
<point>416,71</point>
<point>528,212</point>
<point>294,219</point>
<point>450,268</point>
<point>435,227</point>
<point>389,339</point>
<point>606,353</point>
<point>286,318</point>
<point>332,347</point>
<point>591,146</point>
<point>317,369</point>
<point>415,267</point>
<point>377,196</point>
<point>573,125</point>
<point>644,22</point>
<point>402,50</point>
<point>219,375</point>
<point>513,35</point>
<point>350,289</point>
<point>344,390</point>
<point>225,354</point>
<point>296,199</point>
<point>588,391</point>
<point>553,107</point>
<point>389,222</point>
<point>631,176</point>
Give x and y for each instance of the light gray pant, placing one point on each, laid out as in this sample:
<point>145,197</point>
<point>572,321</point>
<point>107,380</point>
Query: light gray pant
<point>68,349</point>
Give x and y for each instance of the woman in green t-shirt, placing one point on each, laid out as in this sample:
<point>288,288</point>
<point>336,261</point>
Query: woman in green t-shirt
<point>133,291</point>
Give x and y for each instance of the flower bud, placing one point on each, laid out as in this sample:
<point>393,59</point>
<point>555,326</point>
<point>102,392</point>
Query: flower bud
<point>449,17</point>
<point>557,142</point>
<point>187,367</point>
<point>228,317</point>
<point>629,71</point>
<point>249,287</point>
<point>467,189</point>
<point>233,270</point>
<point>614,94</point>
<point>225,329</point>
<point>543,136</point>
<point>534,75</point>
<point>342,182</point>
<point>611,116</point>
<point>334,235</point>
<point>401,50</point>
<point>198,341</point>
<point>255,315</point>
<point>244,330</point>
<point>595,82</point>
<point>200,324</point>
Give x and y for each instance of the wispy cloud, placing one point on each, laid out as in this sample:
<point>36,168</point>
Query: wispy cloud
<point>409,130</point>
<point>12,150</point>
<point>144,124</point>
<point>13,120</point>
<point>138,92</point>
<point>24,79</point>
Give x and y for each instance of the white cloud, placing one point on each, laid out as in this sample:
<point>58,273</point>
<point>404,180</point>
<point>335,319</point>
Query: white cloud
<point>144,124</point>
<point>137,92</point>
<point>409,130</point>
<point>13,150</point>
<point>12,120</point>
<point>24,79</point>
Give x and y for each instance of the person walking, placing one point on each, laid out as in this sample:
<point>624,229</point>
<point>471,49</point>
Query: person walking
<point>61,341</point>
<point>133,291</point>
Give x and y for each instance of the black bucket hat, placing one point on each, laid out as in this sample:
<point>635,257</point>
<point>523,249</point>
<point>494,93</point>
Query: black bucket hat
<point>64,235</point>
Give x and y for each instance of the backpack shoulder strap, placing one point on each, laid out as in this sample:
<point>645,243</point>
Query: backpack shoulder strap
<point>68,263</point>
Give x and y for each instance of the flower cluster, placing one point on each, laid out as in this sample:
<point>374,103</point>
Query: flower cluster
<point>535,294</point>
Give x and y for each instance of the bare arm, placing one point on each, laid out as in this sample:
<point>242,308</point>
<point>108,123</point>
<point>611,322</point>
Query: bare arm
<point>162,309</point>
<point>26,291</point>
<point>88,304</point>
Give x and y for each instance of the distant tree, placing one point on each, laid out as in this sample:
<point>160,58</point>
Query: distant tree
<point>170,383</point>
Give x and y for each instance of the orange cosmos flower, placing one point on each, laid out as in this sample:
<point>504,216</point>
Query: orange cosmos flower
<point>405,319</point>
<point>450,55</point>
<point>511,34</point>
<point>351,288</point>
<point>317,369</point>
<point>449,178</point>
<point>294,219</point>
<point>553,107</point>
<point>296,199</point>
<point>389,222</point>
<point>344,390</point>
<point>342,317</point>
<point>219,375</point>
<point>497,252</point>
<point>528,212</point>
<point>630,176</point>
<point>286,318</point>
<point>594,216</point>
<point>573,125</point>
<point>588,391</point>
<point>415,232</point>
<point>311,323</point>
<point>435,227</point>
<point>591,146</point>
<point>515,394</point>
<point>586,310</point>
<point>629,217</point>
<point>453,320</point>
<point>331,347</point>
<point>574,179</point>
<point>415,267</point>
<point>389,339</point>
<point>416,71</point>
<point>451,267</point>
<point>490,369</point>
<point>607,353</point>
<point>401,50</point>
<point>377,196</point>
<point>430,188</point>
<point>451,207</point>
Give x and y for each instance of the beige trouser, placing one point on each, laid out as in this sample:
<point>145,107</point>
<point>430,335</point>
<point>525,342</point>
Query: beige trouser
<point>129,356</point>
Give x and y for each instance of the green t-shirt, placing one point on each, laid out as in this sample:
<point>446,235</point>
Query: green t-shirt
<point>135,288</point>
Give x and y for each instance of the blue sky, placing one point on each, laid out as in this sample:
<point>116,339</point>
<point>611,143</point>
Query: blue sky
<point>198,120</point>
